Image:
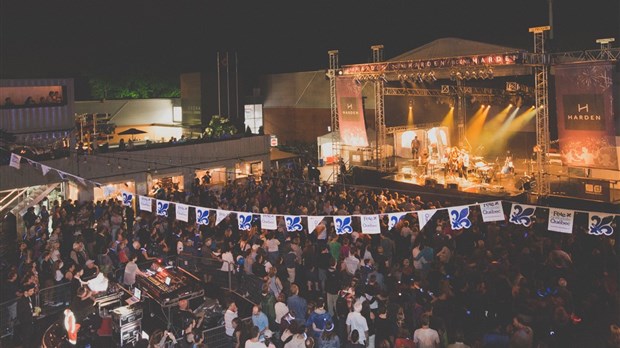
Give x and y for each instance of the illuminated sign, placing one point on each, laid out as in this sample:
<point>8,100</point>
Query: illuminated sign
<point>436,63</point>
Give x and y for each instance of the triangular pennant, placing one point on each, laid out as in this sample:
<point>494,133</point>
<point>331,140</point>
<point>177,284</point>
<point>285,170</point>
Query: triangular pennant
<point>15,161</point>
<point>220,215</point>
<point>313,222</point>
<point>600,224</point>
<point>459,217</point>
<point>293,223</point>
<point>45,169</point>
<point>522,214</point>
<point>63,175</point>
<point>82,181</point>
<point>424,216</point>
<point>202,216</point>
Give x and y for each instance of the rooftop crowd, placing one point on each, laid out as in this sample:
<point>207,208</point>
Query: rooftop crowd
<point>491,285</point>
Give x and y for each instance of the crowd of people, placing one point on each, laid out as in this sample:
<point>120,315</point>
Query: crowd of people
<point>53,97</point>
<point>491,285</point>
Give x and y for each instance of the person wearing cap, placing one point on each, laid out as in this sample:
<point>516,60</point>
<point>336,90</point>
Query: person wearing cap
<point>25,316</point>
<point>268,336</point>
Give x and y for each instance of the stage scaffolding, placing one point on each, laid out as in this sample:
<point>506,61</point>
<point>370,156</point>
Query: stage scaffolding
<point>380,72</point>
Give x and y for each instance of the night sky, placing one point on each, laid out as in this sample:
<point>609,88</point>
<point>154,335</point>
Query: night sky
<point>68,38</point>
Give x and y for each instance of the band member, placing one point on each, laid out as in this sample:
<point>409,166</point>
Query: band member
<point>509,167</point>
<point>463,164</point>
<point>415,147</point>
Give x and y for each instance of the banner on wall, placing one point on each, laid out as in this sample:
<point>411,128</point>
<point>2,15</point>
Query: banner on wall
<point>350,112</point>
<point>146,204</point>
<point>561,220</point>
<point>586,128</point>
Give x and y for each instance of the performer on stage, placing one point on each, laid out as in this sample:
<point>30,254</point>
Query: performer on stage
<point>509,167</point>
<point>415,147</point>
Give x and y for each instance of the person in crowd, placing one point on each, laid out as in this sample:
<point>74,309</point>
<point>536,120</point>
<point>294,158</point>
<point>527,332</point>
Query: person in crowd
<point>26,315</point>
<point>254,341</point>
<point>356,322</point>
<point>317,319</point>
<point>297,304</point>
<point>425,337</point>
<point>229,316</point>
<point>132,270</point>
<point>259,319</point>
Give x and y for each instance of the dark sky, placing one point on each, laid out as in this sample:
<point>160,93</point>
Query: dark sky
<point>67,38</point>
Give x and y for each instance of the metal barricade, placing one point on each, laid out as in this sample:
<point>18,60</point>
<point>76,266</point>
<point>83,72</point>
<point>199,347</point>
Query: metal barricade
<point>54,299</point>
<point>217,338</point>
<point>202,266</point>
<point>8,313</point>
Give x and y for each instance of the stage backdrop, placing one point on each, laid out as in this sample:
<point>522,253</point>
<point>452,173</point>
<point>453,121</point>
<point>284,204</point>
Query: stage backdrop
<point>350,112</point>
<point>584,97</point>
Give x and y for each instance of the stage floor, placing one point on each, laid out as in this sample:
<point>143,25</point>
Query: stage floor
<point>489,181</point>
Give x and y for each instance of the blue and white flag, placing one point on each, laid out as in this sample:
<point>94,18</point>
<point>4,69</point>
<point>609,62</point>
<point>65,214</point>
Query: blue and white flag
<point>244,221</point>
<point>162,208</point>
<point>220,215</point>
<point>600,224</point>
<point>459,217</point>
<point>268,222</point>
<point>371,224</point>
<point>202,215</point>
<point>293,223</point>
<point>561,220</point>
<point>492,211</point>
<point>342,224</point>
<point>127,198</point>
<point>146,203</point>
<point>182,211</point>
<point>522,214</point>
<point>394,218</point>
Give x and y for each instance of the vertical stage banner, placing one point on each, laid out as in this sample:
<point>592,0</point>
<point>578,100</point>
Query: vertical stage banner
<point>586,129</point>
<point>350,112</point>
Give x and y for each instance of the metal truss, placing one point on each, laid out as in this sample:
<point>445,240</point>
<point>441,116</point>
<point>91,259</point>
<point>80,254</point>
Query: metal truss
<point>331,74</point>
<point>377,56</point>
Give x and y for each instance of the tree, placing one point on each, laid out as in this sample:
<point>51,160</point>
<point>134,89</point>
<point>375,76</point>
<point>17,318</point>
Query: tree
<point>220,127</point>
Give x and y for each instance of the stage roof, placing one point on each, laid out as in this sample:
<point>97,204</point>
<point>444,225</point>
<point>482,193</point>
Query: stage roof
<point>452,47</point>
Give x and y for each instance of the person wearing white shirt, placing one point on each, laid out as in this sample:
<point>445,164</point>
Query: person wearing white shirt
<point>254,342</point>
<point>425,337</point>
<point>356,321</point>
<point>281,308</point>
<point>228,262</point>
<point>231,313</point>
<point>351,264</point>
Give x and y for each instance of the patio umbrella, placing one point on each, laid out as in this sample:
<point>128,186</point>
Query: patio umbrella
<point>132,131</point>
